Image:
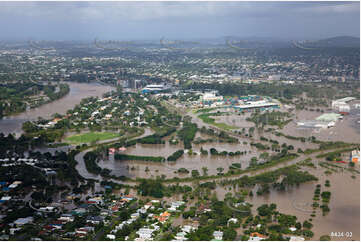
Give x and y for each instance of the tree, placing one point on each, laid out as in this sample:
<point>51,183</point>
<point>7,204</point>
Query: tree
<point>308,233</point>
<point>264,156</point>
<point>195,173</point>
<point>307,225</point>
<point>150,187</point>
<point>213,151</point>
<point>253,162</point>
<point>39,196</point>
<point>167,236</point>
<point>203,151</point>
<point>205,171</point>
<point>264,210</point>
<point>273,206</point>
<point>229,234</point>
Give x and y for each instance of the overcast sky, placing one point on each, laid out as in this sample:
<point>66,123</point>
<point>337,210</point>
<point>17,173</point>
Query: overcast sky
<point>181,20</point>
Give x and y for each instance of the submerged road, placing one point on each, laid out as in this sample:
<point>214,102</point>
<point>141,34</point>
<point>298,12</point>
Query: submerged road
<point>83,171</point>
<point>81,168</point>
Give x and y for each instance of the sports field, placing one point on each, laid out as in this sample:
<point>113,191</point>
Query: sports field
<point>90,137</point>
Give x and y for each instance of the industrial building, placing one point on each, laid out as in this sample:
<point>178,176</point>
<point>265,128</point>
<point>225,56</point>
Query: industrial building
<point>261,105</point>
<point>324,121</point>
<point>329,117</point>
<point>155,88</point>
<point>315,124</point>
<point>210,97</point>
<point>342,105</point>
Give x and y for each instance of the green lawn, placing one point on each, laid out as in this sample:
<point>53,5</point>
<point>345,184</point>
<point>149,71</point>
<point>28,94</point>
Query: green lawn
<point>90,137</point>
<point>207,119</point>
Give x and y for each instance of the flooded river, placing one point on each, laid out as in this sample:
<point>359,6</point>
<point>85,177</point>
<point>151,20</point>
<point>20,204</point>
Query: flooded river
<point>78,91</point>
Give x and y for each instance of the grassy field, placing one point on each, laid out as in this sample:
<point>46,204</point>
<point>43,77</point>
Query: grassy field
<point>90,137</point>
<point>207,119</point>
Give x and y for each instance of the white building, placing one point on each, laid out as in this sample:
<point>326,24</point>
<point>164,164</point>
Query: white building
<point>341,104</point>
<point>210,97</point>
<point>97,200</point>
<point>111,236</point>
<point>155,88</point>
<point>293,229</point>
<point>315,124</point>
<point>180,236</point>
<point>47,209</point>
<point>188,228</point>
<point>255,238</point>
<point>233,220</point>
<point>297,238</point>
<point>218,235</point>
<point>66,218</point>
<point>274,77</point>
<point>22,221</point>
<point>145,233</point>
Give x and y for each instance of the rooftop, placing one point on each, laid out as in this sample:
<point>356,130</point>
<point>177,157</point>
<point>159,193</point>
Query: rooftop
<point>345,99</point>
<point>329,117</point>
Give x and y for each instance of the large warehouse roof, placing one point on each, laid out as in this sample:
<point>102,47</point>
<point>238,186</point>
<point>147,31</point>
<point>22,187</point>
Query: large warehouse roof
<point>346,99</point>
<point>329,117</point>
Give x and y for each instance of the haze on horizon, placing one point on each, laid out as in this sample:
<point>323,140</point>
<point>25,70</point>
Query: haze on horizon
<point>184,20</point>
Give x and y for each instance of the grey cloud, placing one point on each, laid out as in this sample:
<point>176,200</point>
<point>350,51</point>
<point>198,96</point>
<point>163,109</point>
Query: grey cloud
<point>79,20</point>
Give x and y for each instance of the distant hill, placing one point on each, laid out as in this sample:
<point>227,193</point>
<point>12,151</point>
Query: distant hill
<point>339,41</point>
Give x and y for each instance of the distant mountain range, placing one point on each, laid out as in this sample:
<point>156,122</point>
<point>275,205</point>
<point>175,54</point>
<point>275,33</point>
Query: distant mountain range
<point>235,41</point>
<point>339,41</point>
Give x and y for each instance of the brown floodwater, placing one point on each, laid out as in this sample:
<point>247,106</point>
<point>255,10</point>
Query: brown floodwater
<point>345,202</point>
<point>190,162</point>
<point>344,215</point>
<point>81,168</point>
<point>78,91</point>
<point>197,162</point>
<point>347,129</point>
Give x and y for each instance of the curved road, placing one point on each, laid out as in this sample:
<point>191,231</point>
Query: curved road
<point>302,157</point>
<point>81,165</point>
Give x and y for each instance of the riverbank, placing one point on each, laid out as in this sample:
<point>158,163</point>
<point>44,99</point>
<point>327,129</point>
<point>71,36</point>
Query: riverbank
<point>78,91</point>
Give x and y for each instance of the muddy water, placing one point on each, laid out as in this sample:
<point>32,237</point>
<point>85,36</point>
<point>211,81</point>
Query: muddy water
<point>346,130</point>
<point>78,91</point>
<point>190,162</point>
<point>344,205</point>
<point>281,139</point>
<point>235,120</point>
<point>81,168</point>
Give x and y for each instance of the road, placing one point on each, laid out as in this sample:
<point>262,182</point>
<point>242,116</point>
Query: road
<point>228,203</point>
<point>257,172</point>
<point>81,165</point>
<point>236,176</point>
